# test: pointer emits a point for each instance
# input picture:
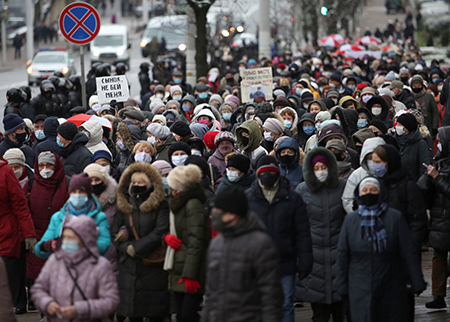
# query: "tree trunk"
(201, 42)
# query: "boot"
(437, 303)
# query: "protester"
(238, 173)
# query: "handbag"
(157, 257)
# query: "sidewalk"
(374, 16)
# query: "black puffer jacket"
(326, 216)
(51, 125)
(27, 151)
(249, 252)
(76, 156)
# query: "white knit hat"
(14, 156)
(97, 171)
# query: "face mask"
(362, 123)
(78, 200)
(58, 141)
(225, 149)
(217, 223)
(121, 145)
(39, 135)
(305, 106)
(160, 96)
(287, 124)
(137, 190)
(417, 90)
(87, 134)
(352, 87)
(279, 71)
(98, 188)
(268, 136)
(166, 184)
(19, 173)
(245, 141)
(327, 74)
(439, 146)
(70, 246)
(21, 137)
(366, 98)
(177, 97)
(203, 122)
(369, 200)
(404, 79)
(233, 176)
(268, 180)
(363, 74)
(376, 111)
(230, 80)
(142, 157)
(178, 160)
(46, 173)
(370, 164)
(332, 85)
(105, 141)
(298, 91)
(177, 80)
(152, 140)
(196, 152)
(400, 130)
(308, 129)
(241, 67)
(318, 127)
(169, 124)
(226, 116)
(338, 156)
(107, 168)
(380, 169)
(186, 107)
(287, 159)
(203, 95)
(321, 175)
(440, 88)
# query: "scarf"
(372, 226)
(170, 253)
(83, 211)
(420, 101)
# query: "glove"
(192, 286)
(30, 242)
(131, 251)
(172, 241)
(49, 246)
(303, 274)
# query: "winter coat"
(355, 178)
(287, 223)
(407, 99)
(244, 182)
(414, 153)
(427, 105)
(252, 150)
(162, 150)
(249, 252)
(376, 282)
(27, 151)
(61, 217)
(6, 303)
(96, 135)
(218, 160)
(76, 156)
(326, 216)
(92, 272)
(131, 135)
(14, 213)
(445, 100)
(301, 136)
(293, 171)
(51, 132)
(192, 227)
(384, 110)
(143, 289)
(23, 109)
(47, 197)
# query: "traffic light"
(324, 11)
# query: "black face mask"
(245, 140)
(369, 200)
(230, 80)
(217, 223)
(139, 189)
(47, 94)
(338, 156)
(269, 179)
(169, 124)
(98, 188)
(404, 80)
(417, 90)
(287, 159)
(21, 137)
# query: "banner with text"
(112, 88)
(257, 82)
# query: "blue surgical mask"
(298, 91)
(166, 184)
(40, 135)
(287, 124)
(87, 134)
(379, 169)
(78, 200)
(70, 246)
(121, 145)
(58, 141)
(318, 127)
(203, 95)
(105, 141)
(186, 107)
(352, 87)
(308, 129)
(226, 116)
(177, 80)
(362, 123)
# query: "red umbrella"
(346, 47)
(79, 119)
(368, 40)
(334, 40)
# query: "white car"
(45, 63)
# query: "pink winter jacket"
(94, 275)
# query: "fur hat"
(182, 177)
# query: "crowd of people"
(188, 201)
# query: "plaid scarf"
(372, 226)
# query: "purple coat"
(218, 160)
(94, 275)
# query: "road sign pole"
(83, 79)
(3, 25)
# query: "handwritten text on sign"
(112, 88)
(256, 83)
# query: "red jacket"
(14, 212)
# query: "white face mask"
(196, 152)
(46, 173)
(233, 176)
(142, 157)
(376, 111)
(268, 136)
(321, 175)
(370, 165)
(107, 168)
(366, 98)
(177, 97)
(178, 160)
(19, 173)
(400, 130)
(152, 140)
(160, 96)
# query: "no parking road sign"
(79, 23)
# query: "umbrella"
(346, 47)
(79, 118)
(334, 40)
(102, 120)
(368, 40)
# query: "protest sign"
(257, 82)
(112, 88)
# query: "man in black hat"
(253, 290)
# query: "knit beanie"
(158, 130)
(209, 138)
(179, 146)
(161, 118)
(273, 125)
(14, 156)
(46, 156)
(336, 144)
(337, 75)
(174, 89)
(224, 136)
(240, 162)
(321, 159)
(97, 171)
(156, 105)
(267, 163)
(159, 88)
(93, 100)
(162, 166)
(68, 130)
(182, 177)
(368, 180)
(235, 100)
(172, 102)
(180, 128)
(281, 102)
(408, 121)
(216, 97)
(101, 154)
(12, 122)
(81, 181)
(232, 200)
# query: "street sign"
(79, 23)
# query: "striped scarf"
(372, 226)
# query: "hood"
(292, 144)
(362, 135)
(298, 101)
(384, 107)
(130, 135)
(123, 195)
(295, 122)
(323, 106)
(210, 114)
(95, 130)
(86, 229)
(198, 144)
(79, 138)
(51, 125)
(255, 136)
(175, 113)
(368, 147)
(249, 223)
(308, 169)
(444, 138)
(383, 196)
(108, 197)
(394, 159)
(348, 98)
(352, 120)
(307, 117)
